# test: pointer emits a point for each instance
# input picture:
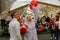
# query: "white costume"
(31, 32)
(14, 30)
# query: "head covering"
(26, 18)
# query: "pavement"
(40, 37)
(44, 37)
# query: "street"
(40, 37)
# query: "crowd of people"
(52, 24)
(17, 28)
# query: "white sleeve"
(17, 31)
(36, 13)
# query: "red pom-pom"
(41, 29)
(23, 30)
(33, 3)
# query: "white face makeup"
(29, 18)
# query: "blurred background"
(46, 8)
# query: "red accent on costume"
(56, 24)
(21, 24)
(57, 19)
(51, 22)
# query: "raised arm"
(36, 13)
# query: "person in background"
(3, 23)
(59, 22)
(4, 27)
(59, 18)
(8, 19)
(14, 27)
(52, 27)
(43, 20)
(57, 27)
(38, 22)
(47, 19)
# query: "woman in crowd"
(31, 33)
(57, 25)
(52, 27)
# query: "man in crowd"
(14, 27)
